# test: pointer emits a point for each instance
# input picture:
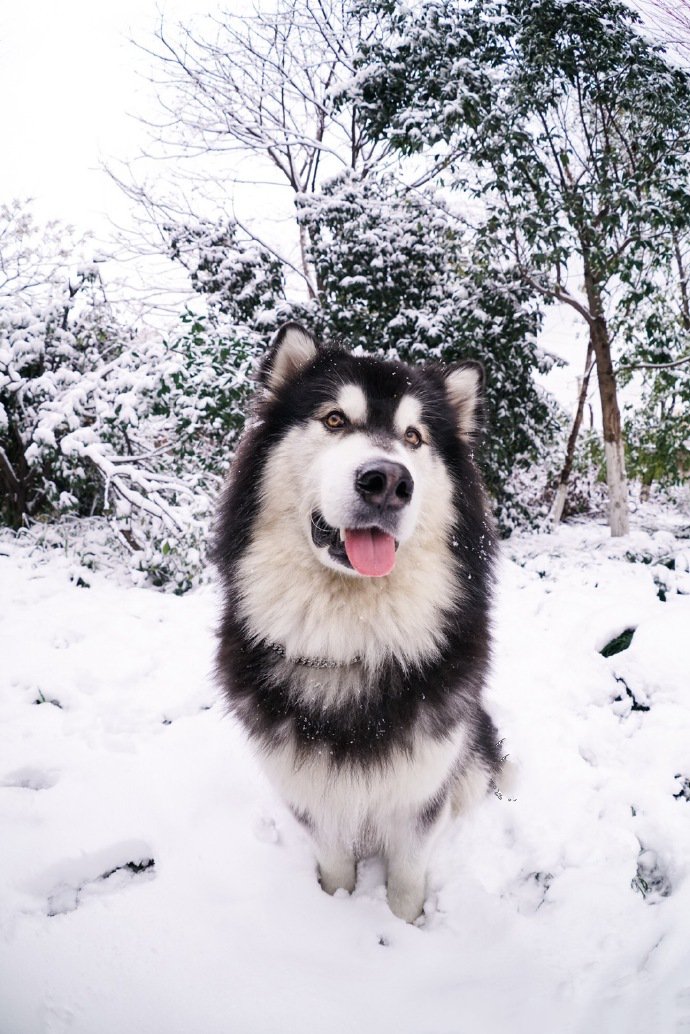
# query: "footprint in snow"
(30, 779)
(531, 892)
(266, 831)
(65, 885)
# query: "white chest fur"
(355, 804)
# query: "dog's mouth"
(369, 551)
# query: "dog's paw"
(340, 876)
(405, 901)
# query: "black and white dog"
(355, 551)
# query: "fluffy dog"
(355, 550)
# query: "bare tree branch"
(654, 366)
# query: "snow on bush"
(97, 419)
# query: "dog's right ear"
(291, 349)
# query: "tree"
(203, 394)
(400, 275)
(263, 86)
(239, 278)
(655, 330)
(382, 263)
(569, 126)
(51, 327)
(558, 506)
(669, 22)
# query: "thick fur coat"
(355, 551)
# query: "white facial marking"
(353, 403)
(335, 480)
(408, 414)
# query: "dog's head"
(368, 445)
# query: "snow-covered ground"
(151, 882)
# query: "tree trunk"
(312, 288)
(610, 413)
(683, 282)
(562, 490)
(14, 490)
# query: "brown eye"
(413, 437)
(335, 420)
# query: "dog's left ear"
(291, 349)
(465, 390)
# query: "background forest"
(445, 173)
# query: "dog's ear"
(291, 349)
(465, 390)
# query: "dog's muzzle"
(368, 543)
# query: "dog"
(355, 550)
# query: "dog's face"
(364, 462)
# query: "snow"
(151, 881)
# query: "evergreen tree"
(381, 265)
(398, 276)
(236, 275)
(569, 126)
(654, 328)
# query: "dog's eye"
(335, 420)
(413, 437)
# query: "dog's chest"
(317, 614)
(358, 797)
(317, 688)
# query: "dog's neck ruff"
(312, 662)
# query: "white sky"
(70, 88)
(73, 87)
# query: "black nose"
(384, 484)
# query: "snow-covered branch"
(683, 361)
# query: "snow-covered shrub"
(528, 493)
(242, 283)
(160, 494)
(97, 420)
(79, 433)
(657, 431)
(170, 556)
(66, 381)
(199, 408)
(203, 390)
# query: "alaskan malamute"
(355, 550)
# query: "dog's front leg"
(337, 868)
(408, 856)
(407, 885)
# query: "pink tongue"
(370, 551)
